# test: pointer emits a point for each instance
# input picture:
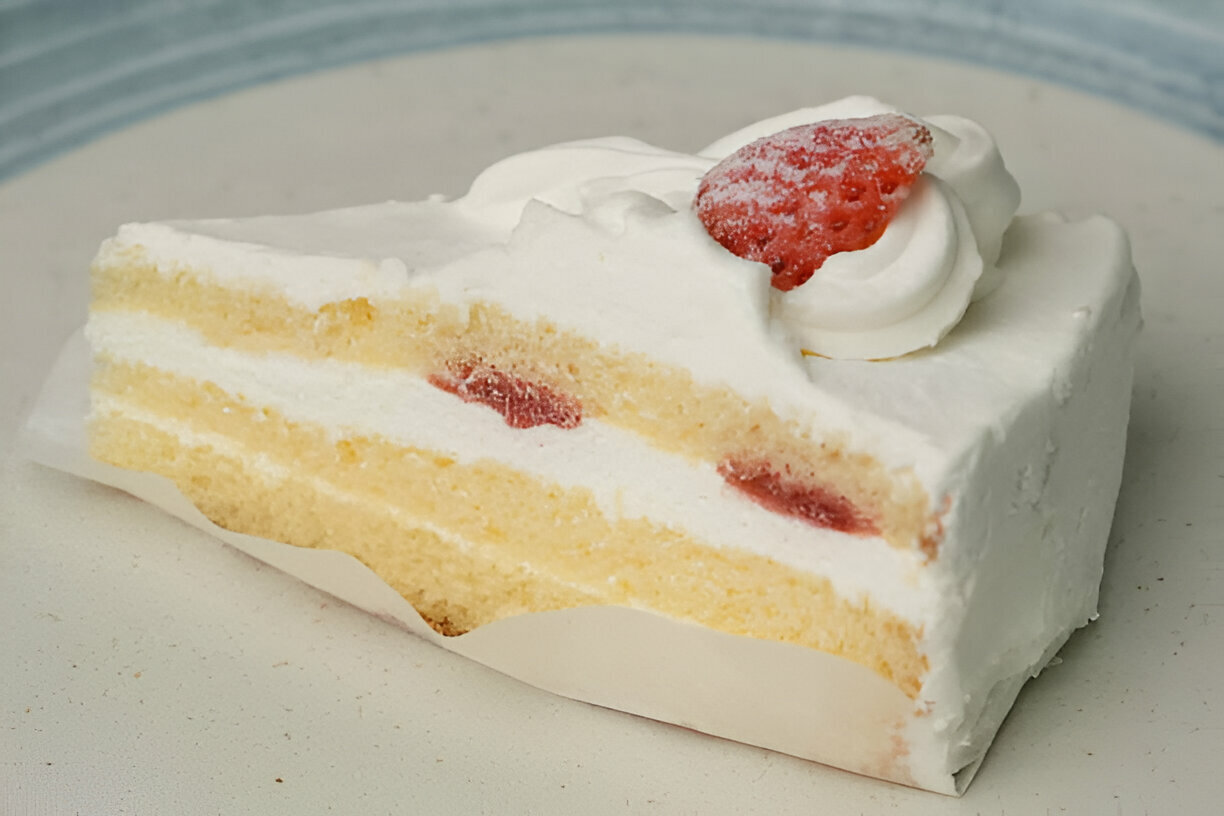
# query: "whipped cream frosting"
(903, 293)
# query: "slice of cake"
(576, 386)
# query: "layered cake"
(813, 385)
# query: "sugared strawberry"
(792, 199)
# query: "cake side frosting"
(1025, 534)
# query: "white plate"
(147, 667)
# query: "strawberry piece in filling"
(792, 199)
(783, 493)
(523, 403)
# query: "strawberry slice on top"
(792, 199)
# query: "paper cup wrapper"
(786, 698)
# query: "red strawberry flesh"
(792, 199)
(781, 492)
(522, 403)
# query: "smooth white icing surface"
(1013, 422)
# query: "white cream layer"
(274, 472)
(626, 476)
(259, 462)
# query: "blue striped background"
(70, 71)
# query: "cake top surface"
(601, 237)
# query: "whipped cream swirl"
(903, 293)
(908, 290)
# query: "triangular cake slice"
(561, 391)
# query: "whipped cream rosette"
(902, 293)
(910, 284)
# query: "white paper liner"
(787, 698)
